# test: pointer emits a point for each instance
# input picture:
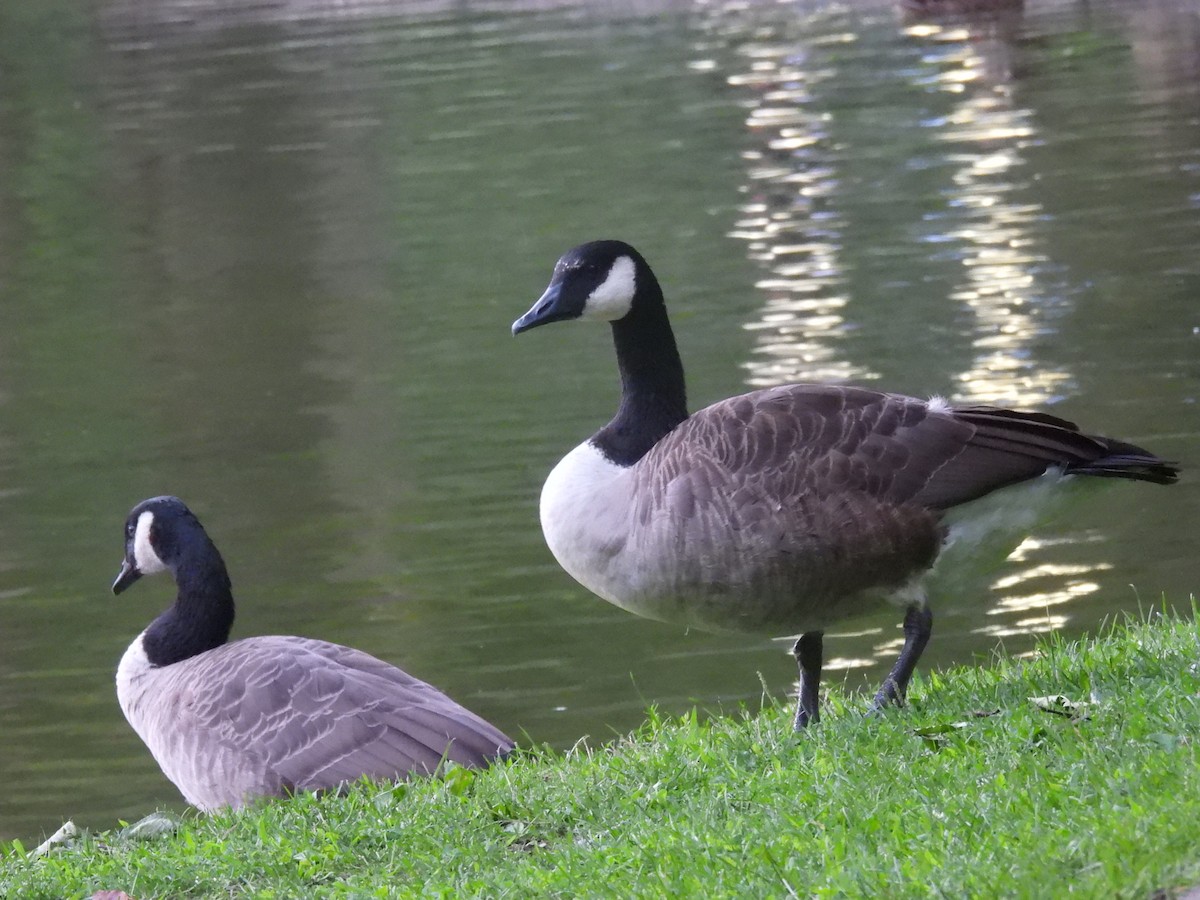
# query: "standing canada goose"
(782, 510)
(267, 716)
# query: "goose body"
(782, 510)
(270, 715)
(695, 533)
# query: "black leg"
(918, 624)
(807, 651)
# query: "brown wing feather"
(306, 714)
(824, 490)
(799, 490)
(829, 439)
(820, 440)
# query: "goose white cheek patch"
(143, 553)
(613, 298)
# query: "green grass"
(972, 791)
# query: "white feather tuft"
(938, 404)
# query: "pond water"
(265, 257)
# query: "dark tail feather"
(1043, 438)
(1127, 461)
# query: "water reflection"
(790, 218)
(990, 222)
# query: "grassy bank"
(974, 790)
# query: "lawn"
(1075, 772)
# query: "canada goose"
(781, 510)
(267, 716)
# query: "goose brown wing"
(823, 441)
(815, 441)
(801, 489)
(825, 491)
(312, 715)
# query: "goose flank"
(782, 510)
(267, 716)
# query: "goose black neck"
(202, 614)
(653, 394)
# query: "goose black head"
(156, 533)
(598, 281)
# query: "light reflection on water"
(292, 236)
(995, 232)
(789, 218)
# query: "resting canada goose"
(267, 716)
(781, 510)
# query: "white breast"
(153, 699)
(138, 684)
(585, 512)
(132, 673)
